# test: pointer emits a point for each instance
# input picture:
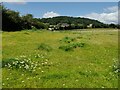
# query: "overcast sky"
(106, 12)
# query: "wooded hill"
(73, 22)
(77, 21)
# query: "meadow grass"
(32, 59)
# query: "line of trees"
(12, 21)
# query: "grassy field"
(61, 59)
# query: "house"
(64, 25)
(89, 26)
(51, 29)
(58, 26)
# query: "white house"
(90, 25)
(51, 29)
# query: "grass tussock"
(67, 39)
(72, 46)
(55, 76)
(45, 47)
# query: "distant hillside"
(13, 21)
(73, 20)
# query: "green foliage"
(45, 47)
(14, 63)
(67, 39)
(70, 47)
(5, 62)
(25, 64)
(116, 67)
(34, 28)
(12, 21)
(66, 48)
(112, 25)
(72, 44)
(78, 45)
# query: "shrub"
(70, 47)
(66, 48)
(45, 47)
(80, 44)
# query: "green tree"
(11, 20)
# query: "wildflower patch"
(21, 63)
(116, 66)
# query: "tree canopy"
(12, 21)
